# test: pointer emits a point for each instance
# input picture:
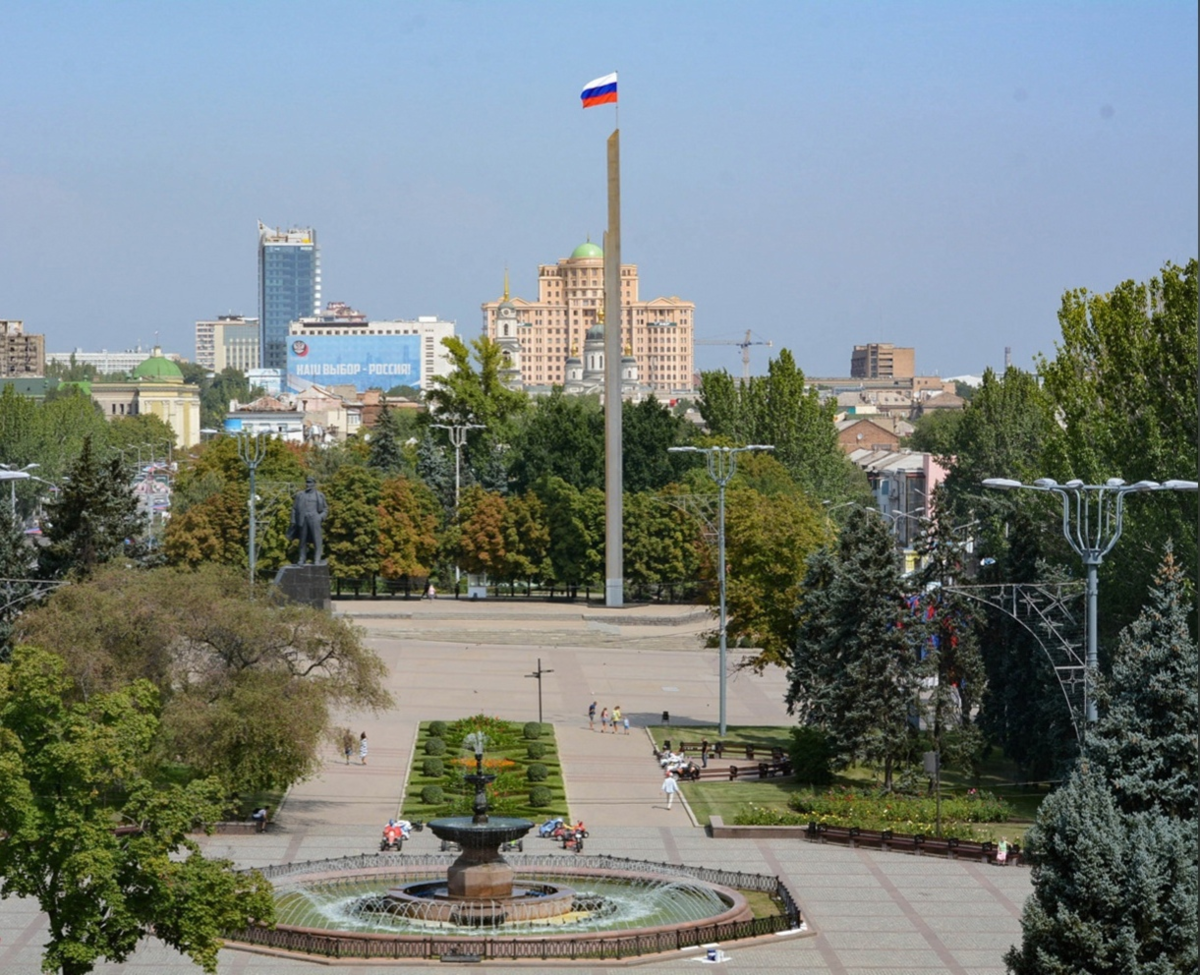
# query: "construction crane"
(744, 345)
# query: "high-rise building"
(228, 341)
(289, 287)
(21, 356)
(540, 336)
(882, 360)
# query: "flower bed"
(869, 809)
(506, 755)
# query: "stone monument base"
(307, 584)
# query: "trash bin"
(666, 717)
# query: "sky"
(931, 174)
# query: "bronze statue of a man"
(308, 511)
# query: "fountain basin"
(469, 834)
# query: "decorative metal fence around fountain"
(612, 945)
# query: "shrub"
(432, 795)
(536, 750)
(537, 772)
(437, 729)
(433, 768)
(540, 796)
(435, 746)
(532, 730)
(812, 755)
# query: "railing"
(414, 587)
(590, 945)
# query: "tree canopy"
(70, 771)
(247, 685)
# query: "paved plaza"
(870, 913)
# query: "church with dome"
(558, 340)
(156, 387)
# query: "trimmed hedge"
(433, 768)
(536, 750)
(432, 795)
(537, 772)
(540, 796)
(532, 730)
(435, 746)
(437, 729)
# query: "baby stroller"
(550, 826)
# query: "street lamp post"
(7, 473)
(537, 674)
(458, 439)
(1093, 516)
(722, 465)
(253, 452)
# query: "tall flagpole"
(614, 542)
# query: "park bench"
(723, 749)
(919, 844)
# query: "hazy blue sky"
(932, 174)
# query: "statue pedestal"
(307, 584)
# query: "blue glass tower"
(289, 287)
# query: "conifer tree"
(854, 670)
(1114, 850)
(91, 518)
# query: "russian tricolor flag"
(601, 91)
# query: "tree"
(18, 588)
(408, 524)
(575, 520)
(474, 395)
(69, 771)
(854, 669)
(1114, 850)
(1145, 740)
(561, 436)
(1123, 382)
(780, 409)
(351, 530)
(214, 530)
(660, 542)
(482, 541)
(526, 539)
(91, 517)
(388, 452)
(950, 654)
(218, 392)
(648, 428)
(247, 684)
(767, 542)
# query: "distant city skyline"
(933, 175)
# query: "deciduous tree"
(408, 527)
(218, 658)
(70, 771)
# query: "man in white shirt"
(669, 787)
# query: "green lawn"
(715, 797)
(507, 756)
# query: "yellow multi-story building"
(540, 336)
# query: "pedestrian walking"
(592, 716)
(603, 720)
(704, 753)
(669, 787)
(362, 747)
(347, 743)
(616, 718)
(626, 720)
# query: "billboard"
(367, 361)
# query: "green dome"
(160, 369)
(587, 250)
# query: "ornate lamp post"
(1093, 516)
(458, 439)
(253, 452)
(722, 465)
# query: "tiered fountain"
(479, 887)
(408, 906)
